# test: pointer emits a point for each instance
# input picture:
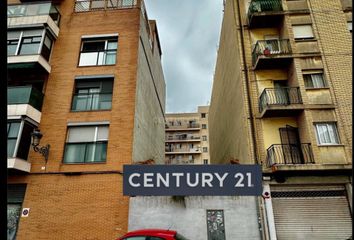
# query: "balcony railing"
(25, 95)
(183, 126)
(97, 5)
(287, 154)
(270, 48)
(279, 96)
(34, 9)
(92, 101)
(258, 6)
(183, 149)
(182, 138)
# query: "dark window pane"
(74, 153)
(93, 46)
(14, 128)
(11, 143)
(25, 141)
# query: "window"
(15, 196)
(350, 26)
(204, 138)
(29, 42)
(86, 144)
(315, 80)
(203, 115)
(303, 32)
(92, 94)
(19, 138)
(204, 126)
(327, 133)
(215, 224)
(205, 161)
(98, 51)
(205, 149)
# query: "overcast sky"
(189, 32)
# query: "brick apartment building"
(88, 74)
(281, 98)
(187, 137)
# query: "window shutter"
(81, 134)
(102, 133)
(303, 31)
(16, 193)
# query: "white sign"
(25, 212)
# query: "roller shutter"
(311, 212)
(16, 193)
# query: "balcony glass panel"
(25, 95)
(94, 5)
(36, 9)
(92, 101)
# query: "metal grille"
(97, 5)
(298, 194)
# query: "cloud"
(189, 32)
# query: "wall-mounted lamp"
(36, 136)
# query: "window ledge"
(99, 110)
(63, 163)
(330, 145)
(97, 65)
(306, 40)
(307, 88)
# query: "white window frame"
(333, 137)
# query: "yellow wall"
(265, 78)
(271, 129)
(258, 34)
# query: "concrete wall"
(149, 124)
(228, 117)
(189, 216)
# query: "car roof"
(152, 232)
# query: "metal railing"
(97, 5)
(33, 9)
(172, 138)
(92, 101)
(183, 149)
(264, 6)
(269, 48)
(183, 126)
(289, 154)
(279, 96)
(25, 95)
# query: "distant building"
(187, 137)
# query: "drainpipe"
(245, 70)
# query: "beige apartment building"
(281, 98)
(187, 137)
(88, 74)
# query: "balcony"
(24, 101)
(183, 127)
(31, 14)
(183, 138)
(280, 102)
(289, 154)
(99, 5)
(264, 13)
(182, 150)
(271, 54)
(25, 95)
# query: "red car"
(152, 234)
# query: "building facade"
(88, 74)
(281, 98)
(187, 137)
